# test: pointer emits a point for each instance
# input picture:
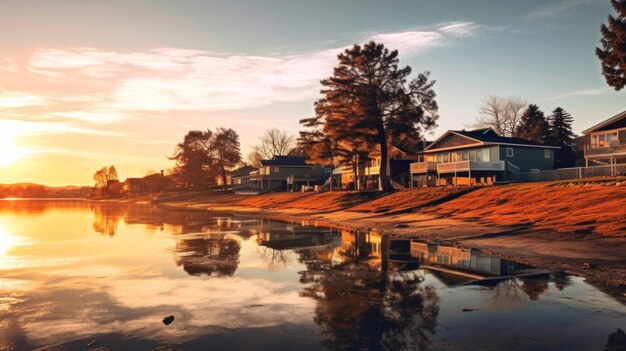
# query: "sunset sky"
(85, 84)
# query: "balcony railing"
(463, 166)
(374, 170)
(605, 149)
(423, 167)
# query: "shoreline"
(560, 252)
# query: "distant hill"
(32, 190)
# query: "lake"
(80, 275)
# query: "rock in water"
(469, 309)
(168, 320)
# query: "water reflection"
(106, 274)
(210, 255)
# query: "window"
(604, 140)
(482, 155)
(276, 169)
(546, 153)
(472, 155)
(509, 152)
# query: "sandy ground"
(559, 226)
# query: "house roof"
(617, 118)
(134, 181)
(242, 171)
(485, 136)
(285, 161)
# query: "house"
(605, 143)
(368, 175)
(478, 156)
(133, 185)
(234, 177)
(281, 173)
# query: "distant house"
(605, 143)
(281, 173)
(155, 182)
(133, 185)
(114, 187)
(478, 156)
(400, 160)
(236, 177)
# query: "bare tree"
(501, 113)
(274, 142)
(254, 158)
(103, 176)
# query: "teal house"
(478, 157)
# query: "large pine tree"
(613, 52)
(368, 102)
(533, 125)
(561, 127)
(561, 135)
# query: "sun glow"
(10, 151)
(7, 241)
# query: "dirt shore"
(576, 227)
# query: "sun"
(10, 152)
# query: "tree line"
(515, 117)
(371, 103)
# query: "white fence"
(572, 173)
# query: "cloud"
(22, 127)
(587, 92)
(17, 99)
(557, 9)
(8, 65)
(169, 79)
(96, 117)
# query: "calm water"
(78, 275)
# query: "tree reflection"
(534, 287)
(362, 307)
(275, 259)
(617, 341)
(213, 255)
(106, 219)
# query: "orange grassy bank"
(578, 208)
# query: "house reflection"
(294, 236)
(436, 256)
(214, 255)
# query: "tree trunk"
(385, 182)
(224, 179)
(355, 171)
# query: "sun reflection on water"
(7, 241)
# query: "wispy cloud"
(586, 92)
(20, 99)
(30, 127)
(8, 65)
(169, 79)
(556, 9)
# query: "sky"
(84, 84)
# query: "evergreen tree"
(613, 52)
(225, 145)
(368, 103)
(194, 157)
(561, 135)
(533, 125)
(561, 127)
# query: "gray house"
(605, 143)
(478, 157)
(281, 173)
